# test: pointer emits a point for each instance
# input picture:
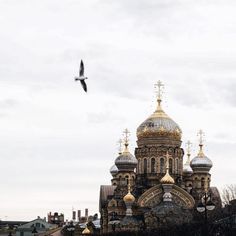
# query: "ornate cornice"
(158, 151)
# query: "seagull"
(81, 77)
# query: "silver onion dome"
(113, 170)
(187, 169)
(126, 161)
(201, 163)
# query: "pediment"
(153, 196)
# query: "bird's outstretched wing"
(81, 69)
(84, 85)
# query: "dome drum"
(157, 140)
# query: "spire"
(120, 146)
(126, 134)
(200, 134)
(167, 162)
(189, 145)
(129, 184)
(167, 179)
(158, 87)
(129, 199)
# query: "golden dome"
(159, 124)
(167, 179)
(86, 230)
(129, 198)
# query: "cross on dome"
(201, 135)
(129, 185)
(120, 145)
(126, 134)
(167, 161)
(167, 179)
(188, 145)
(158, 87)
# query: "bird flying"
(81, 77)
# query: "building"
(153, 188)
(56, 218)
(35, 227)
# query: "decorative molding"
(153, 196)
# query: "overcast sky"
(56, 142)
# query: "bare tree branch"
(228, 193)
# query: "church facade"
(153, 188)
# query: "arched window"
(202, 183)
(139, 166)
(171, 166)
(162, 165)
(127, 179)
(153, 162)
(145, 166)
(177, 166)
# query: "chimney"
(79, 215)
(73, 215)
(86, 212)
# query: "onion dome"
(159, 124)
(86, 230)
(129, 198)
(201, 163)
(167, 179)
(113, 170)
(186, 168)
(126, 161)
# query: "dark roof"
(105, 191)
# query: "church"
(154, 187)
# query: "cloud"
(8, 103)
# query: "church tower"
(157, 135)
(201, 166)
(187, 171)
(126, 164)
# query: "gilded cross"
(200, 134)
(158, 87)
(129, 184)
(120, 145)
(126, 136)
(189, 145)
(167, 160)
